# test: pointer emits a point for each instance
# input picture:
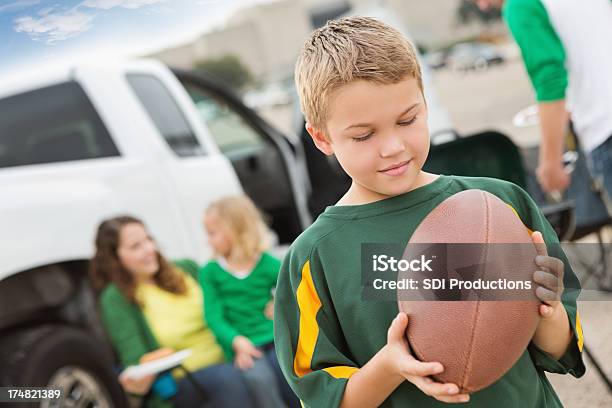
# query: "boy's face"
(379, 135)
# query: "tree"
(228, 69)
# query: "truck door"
(263, 159)
(195, 175)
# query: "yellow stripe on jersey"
(308, 304)
(341, 371)
(579, 334)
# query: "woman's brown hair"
(105, 267)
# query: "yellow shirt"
(177, 321)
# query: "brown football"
(477, 341)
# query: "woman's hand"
(245, 352)
(142, 385)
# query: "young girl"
(238, 287)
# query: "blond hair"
(346, 50)
(247, 230)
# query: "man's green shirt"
(324, 332)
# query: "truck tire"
(65, 358)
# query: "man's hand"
(245, 352)
(142, 385)
(553, 177)
(548, 279)
(401, 362)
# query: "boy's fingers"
(555, 265)
(417, 368)
(546, 280)
(538, 241)
(546, 310)
(397, 329)
(546, 295)
(454, 399)
(434, 389)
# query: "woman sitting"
(150, 309)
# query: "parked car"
(272, 95)
(472, 56)
(435, 60)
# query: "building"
(267, 36)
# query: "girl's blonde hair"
(247, 230)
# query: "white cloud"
(51, 28)
(46, 10)
(18, 5)
(109, 4)
(52, 25)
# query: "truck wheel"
(63, 358)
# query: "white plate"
(156, 366)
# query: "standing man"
(567, 50)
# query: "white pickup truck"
(93, 141)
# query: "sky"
(36, 33)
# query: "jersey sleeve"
(310, 345)
(542, 50)
(571, 362)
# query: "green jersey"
(324, 332)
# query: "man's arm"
(544, 58)
(554, 122)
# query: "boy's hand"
(548, 279)
(245, 352)
(402, 363)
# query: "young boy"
(360, 89)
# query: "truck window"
(53, 124)
(231, 132)
(166, 114)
